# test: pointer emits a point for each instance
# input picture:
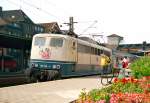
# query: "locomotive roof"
(84, 42)
(49, 34)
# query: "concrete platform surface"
(59, 91)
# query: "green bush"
(141, 67)
(126, 88)
(97, 94)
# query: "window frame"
(54, 45)
(37, 43)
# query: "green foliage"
(99, 94)
(141, 67)
(83, 94)
(126, 88)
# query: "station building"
(16, 32)
(136, 49)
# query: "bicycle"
(107, 74)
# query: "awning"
(12, 42)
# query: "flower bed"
(126, 90)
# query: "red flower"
(148, 85)
(132, 80)
(115, 80)
(124, 80)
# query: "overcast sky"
(127, 18)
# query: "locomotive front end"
(47, 55)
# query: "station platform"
(58, 91)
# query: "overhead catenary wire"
(36, 7)
(90, 26)
(99, 35)
(55, 6)
(31, 5)
(86, 21)
(40, 9)
(23, 2)
(13, 3)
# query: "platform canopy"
(13, 42)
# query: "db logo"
(45, 53)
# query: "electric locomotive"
(56, 55)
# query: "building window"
(26, 36)
(16, 25)
(42, 29)
(30, 36)
(36, 28)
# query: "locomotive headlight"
(36, 65)
(54, 66)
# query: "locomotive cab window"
(39, 41)
(56, 42)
